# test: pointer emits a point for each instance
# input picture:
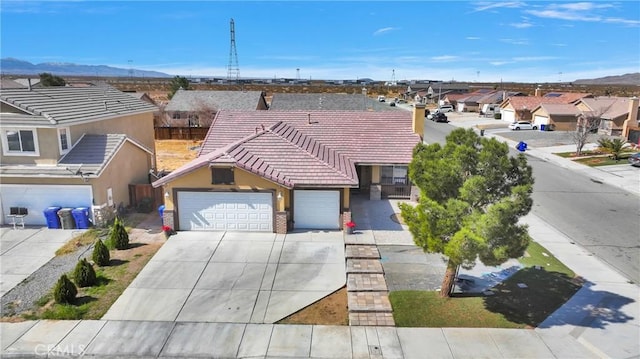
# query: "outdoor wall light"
(279, 196)
(166, 194)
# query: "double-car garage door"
(254, 211)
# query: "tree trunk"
(448, 281)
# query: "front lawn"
(547, 289)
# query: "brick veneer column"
(281, 222)
(167, 219)
(346, 217)
(375, 192)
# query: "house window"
(221, 175)
(64, 140)
(20, 142)
(394, 175)
(176, 116)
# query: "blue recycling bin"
(81, 216)
(543, 127)
(522, 146)
(161, 212)
(51, 216)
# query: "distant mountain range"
(626, 79)
(11, 66)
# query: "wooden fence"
(180, 133)
(139, 191)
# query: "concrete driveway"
(23, 251)
(234, 277)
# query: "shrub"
(118, 236)
(100, 254)
(497, 116)
(64, 291)
(145, 205)
(83, 274)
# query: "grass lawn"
(602, 161)
(547, 289)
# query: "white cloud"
(444, 58)
(515, 41)
(384, 30)
(484, 6)
(582, 6)
(472, 38)
(580, 11)
(500, 63)
(533, 58)
(521, 25)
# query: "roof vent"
(309, 118)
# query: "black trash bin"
(66, 218)
(51, 215)
(81, 217)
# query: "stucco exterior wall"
(48, 149)
(139, 127)
(124, 169)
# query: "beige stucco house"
(275, 171)
(72, 147)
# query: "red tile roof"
(528, 103)
(366, 137)
(304, 149)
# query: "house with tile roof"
(519, 108)
(326, 102)
(616, 113)
(72, 147)
(280, 170)
(198, 108)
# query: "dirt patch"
(171, 154)
(330, 310)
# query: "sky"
(510, 41)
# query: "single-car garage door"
(508, 115)
(37, 198)
(316, 209)
(225, 211)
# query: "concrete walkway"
(23, 251)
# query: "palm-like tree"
(612, 146)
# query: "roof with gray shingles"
(70, 105)
(89, 156)
(326, 102)
(10, 84)
(193, 100)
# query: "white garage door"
(508, 115)
(316, 209)
(225, 211)
(541, 120)
(37, 198)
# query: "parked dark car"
(634, 159)
(438, 117)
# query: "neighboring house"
(519, 108)
(556, 116)
(452, 99)
(157, 116)
(613, 111)
(198, 108)
(72, 147)
(437, 91)
(10, 84)
(326, 102)
(273, 171)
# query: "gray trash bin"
(66, 218)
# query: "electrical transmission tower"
(233, 72)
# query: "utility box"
(51, 215)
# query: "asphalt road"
(603, 219)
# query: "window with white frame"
(20, 142)
(64, 140)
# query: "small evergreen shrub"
(64, 291)
(118, 235)
(145, 205)
(84, 275)
(100, 254)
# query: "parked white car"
(445, 108)
(522, 125)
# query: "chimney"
(632, 117)
(538, 92)
(417, 123)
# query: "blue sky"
(536, 41)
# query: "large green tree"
(177, 83)
(472, 194)
(47, 80)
